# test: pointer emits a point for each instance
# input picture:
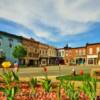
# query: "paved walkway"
(52, 70)
(27, 73)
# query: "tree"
(19, 52)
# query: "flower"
(45, 69)
(81, 72)
(6, 64)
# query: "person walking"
(73, 71)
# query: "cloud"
(62, 17)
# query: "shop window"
(90, 61)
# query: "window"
(83, 51)
(40, 51)
(76, 52)
(35, 50)
(90, 50)
(62, 53)
(97, 50)
(30, 54)
(59, 53)
(90, 61)
(80, 52)
(10, 42)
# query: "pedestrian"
(73, 71)
(16, 66)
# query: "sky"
(54, 22)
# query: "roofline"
(30, 39)
(77, 47)
(92, 44)
(13, 35)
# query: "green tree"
(19, 52)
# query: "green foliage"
(59, 94)
(10, 90)
(19, 52)
(33, 82)
(46, 83)
(89, 88)
(70, 90)
(75, 78)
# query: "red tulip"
(45, 69)
(81, 72)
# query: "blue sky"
(54, 22)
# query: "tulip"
(81, 72)
(45, 69)
(6, 64)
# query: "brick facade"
(88, 54)
(93, 53)
(32, 47)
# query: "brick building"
(89, 54)
(62, 55)
(52, 55)
(32, 47)
(93, 51)
(43, 54)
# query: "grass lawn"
(75, 78)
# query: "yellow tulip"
(6, 64)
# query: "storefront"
(80, 61)
(92, 59)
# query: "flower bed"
(26, 93)
(12, 89)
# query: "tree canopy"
(19, 51)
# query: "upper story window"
(97, 50)
(46, 52)
(90, 50)
(76, 52)
(36, 51)
(40, 51)
(30, 54)
(10, 42)
(80, 52)
(62, 53)
(59, 53)
(83, 51)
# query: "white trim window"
(90, 50)
(97, 50)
